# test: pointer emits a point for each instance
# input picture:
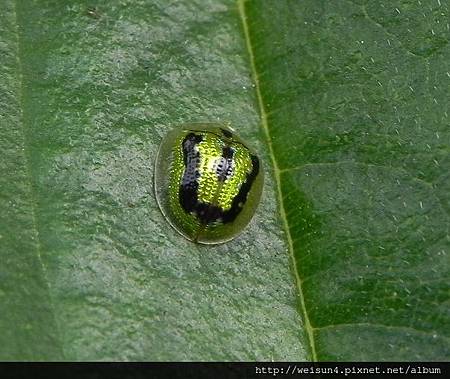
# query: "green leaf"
(355, 99)
(90, 268)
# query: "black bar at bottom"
(91, 370)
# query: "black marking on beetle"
(226, 133)
(188, 193)
(239, 200)
(209, 213)
(227, 152)
(224, 168)
(221, 135)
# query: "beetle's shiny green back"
(208, 182)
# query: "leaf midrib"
(26, 157)
(264, 123)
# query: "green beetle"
(208, 182)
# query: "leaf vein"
(26, 145)
(264, 122)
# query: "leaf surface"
(355, 99)
(90, 268)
